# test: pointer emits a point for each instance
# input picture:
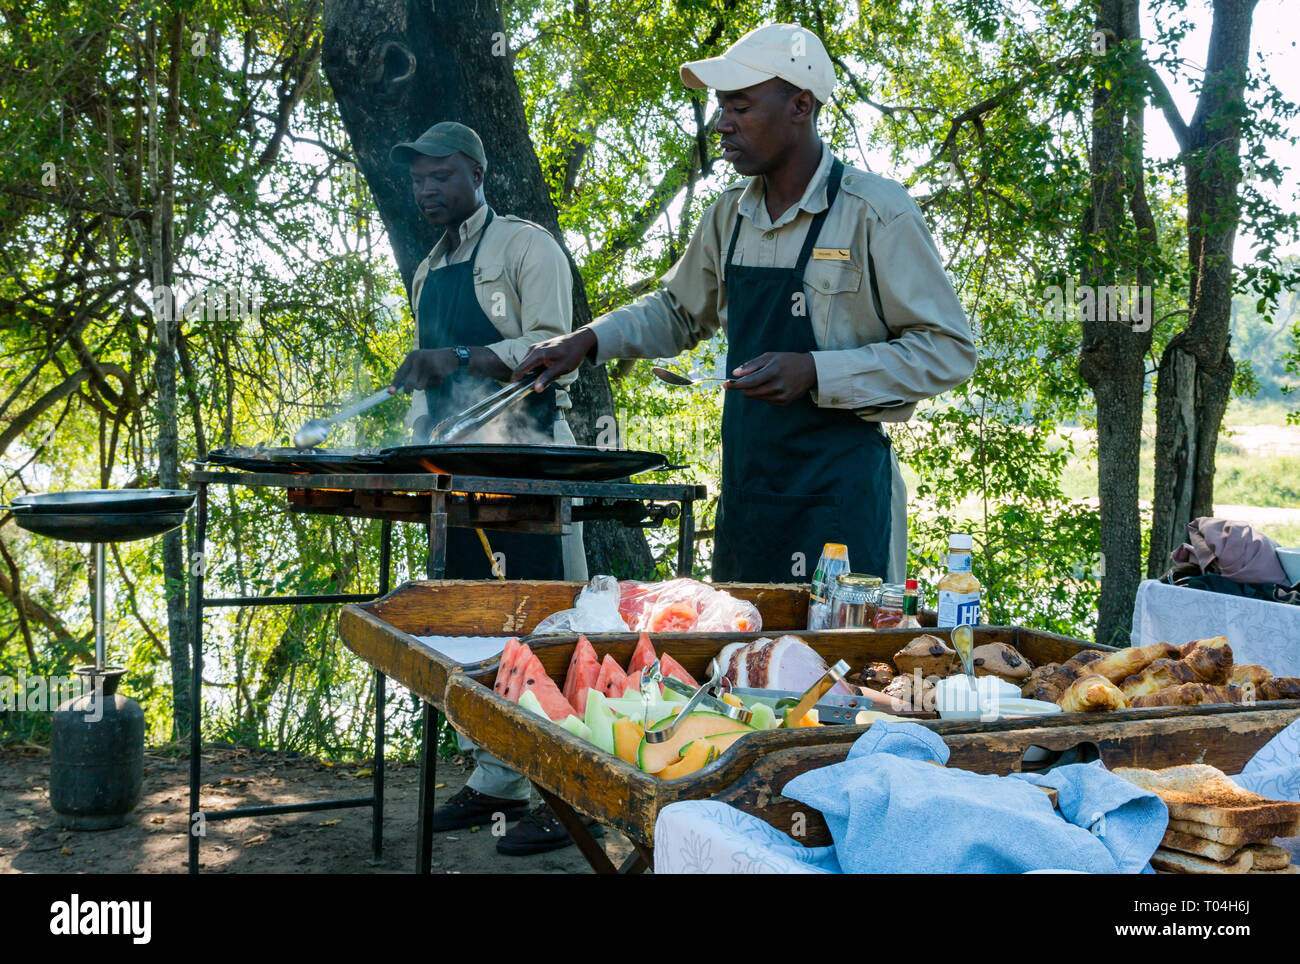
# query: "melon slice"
(599, 719)
(697, 756)
(670, 667)
(576, 727)
(653, 757)
(764, 717)
(532, 704)
(515, 678)
(723, 741)
(611, 679)
(503, 666)
(552, 700)
(627, 737)
(584, 670)
(643, 655)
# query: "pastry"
(1128, 662)
(929, 654)
(1091, 693)
(999, 659)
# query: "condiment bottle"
(911, 606)
(959, 590)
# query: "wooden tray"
(752, 772)
(383, 632)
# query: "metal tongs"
(469, 421)
(798, 709)
(652, 675)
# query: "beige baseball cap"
(784, 50)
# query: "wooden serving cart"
(577, 778)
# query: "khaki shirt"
(878, 361)
(522, 281)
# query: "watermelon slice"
(536, 681)
(643, 655)
(611, 679)
(670, 667)
(503, 667)
(515, 678)
(584, 670)
(632, 684)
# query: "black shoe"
(469, 808)
(540, 831)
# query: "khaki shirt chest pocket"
(835, 287)
(832, 277)
(495, 297)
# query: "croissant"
(1209, 659)
(1160, 675)
(1280, 688)
(1092, 693)
(1252, 673)
(1190, 694)
(1128, 662)
(1053, 685)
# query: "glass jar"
(854, 601)
(891, 614)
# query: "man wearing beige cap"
(838, 315)
(492, 287)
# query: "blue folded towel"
(890, 809)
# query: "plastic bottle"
(959, 590)
(834, 560)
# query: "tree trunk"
(162, 188)
(1112, 360)
(396, 69)
(1196, 370)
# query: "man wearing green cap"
(492, 287)
(838, 313)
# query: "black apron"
(794, 477)
(450, 315)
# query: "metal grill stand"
(437, 500)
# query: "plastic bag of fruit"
(684, 605)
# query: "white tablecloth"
(1258, 631)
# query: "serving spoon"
(679, 380)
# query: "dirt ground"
(329, 842)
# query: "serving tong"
(466, 423)
(652, 675)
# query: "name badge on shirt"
(830, 254)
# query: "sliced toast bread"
(1268, 857)
(1235, 836)
(1204, 794)
(1186, 843)
(1176, 862)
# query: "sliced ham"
(785, 663)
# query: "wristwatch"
(463, 354)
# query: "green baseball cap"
(442, 140)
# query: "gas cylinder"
(97, 754)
